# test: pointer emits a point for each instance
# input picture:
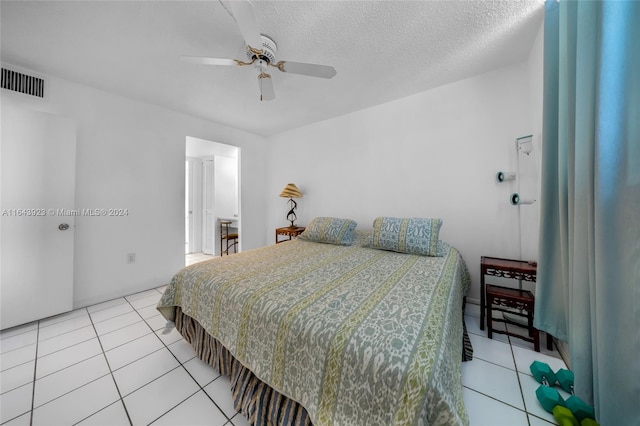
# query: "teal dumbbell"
(547, 396)
(578, 407)
(565, 380)
(543, 373)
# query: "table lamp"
(291, 191)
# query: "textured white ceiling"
(382, 50)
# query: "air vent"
(22, 83)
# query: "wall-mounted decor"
(516, 200)
(505, 176)
(525, 144)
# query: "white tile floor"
(108, 364)
(197, 257)
(111, 364)
(498, 386)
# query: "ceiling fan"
(261, 52)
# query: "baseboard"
(473, 301)
(563, 350)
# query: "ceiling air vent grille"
(23, 83)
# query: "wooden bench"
(514, 304)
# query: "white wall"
(132, 155)
(533, 167)
(434, 154)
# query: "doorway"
(212, 192)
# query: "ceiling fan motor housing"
(269, 49)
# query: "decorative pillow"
(406, 235)
(330, 230)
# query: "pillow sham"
(330, 230)
(407, 235)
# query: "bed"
(317, 333)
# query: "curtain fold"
(588, 291)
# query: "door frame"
(200, 150)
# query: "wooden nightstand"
(504, 268)
(504, 299)
(288, 231)
(512, 301)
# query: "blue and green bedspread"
(357, 336)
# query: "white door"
(188, 208)
(38, 153)
(193, 205)
(209, 237)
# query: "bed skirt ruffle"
(261, 404)
(257, 401)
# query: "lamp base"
(291, 215)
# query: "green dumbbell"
(564, 416)
(547, 396)
(578, 407)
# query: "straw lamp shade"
(291, 191)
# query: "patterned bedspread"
(356, 335)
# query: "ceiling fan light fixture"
(268, 52)
(243, 12)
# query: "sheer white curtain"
(588, 291)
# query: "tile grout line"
(18, 348)
(514, 369)
(185, 369)
(121, 399)
(75, 330)
(72, 390)
(11, 368)
(515, 364)
(513, 357)
(35, 378)
(111, 373)
(35, 369)
(68, 366)
(496, 399)
(92, 324)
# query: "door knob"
(63, 226)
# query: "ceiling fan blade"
(266, 87)
(245, 17)
(312, 70)
(208, 61)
